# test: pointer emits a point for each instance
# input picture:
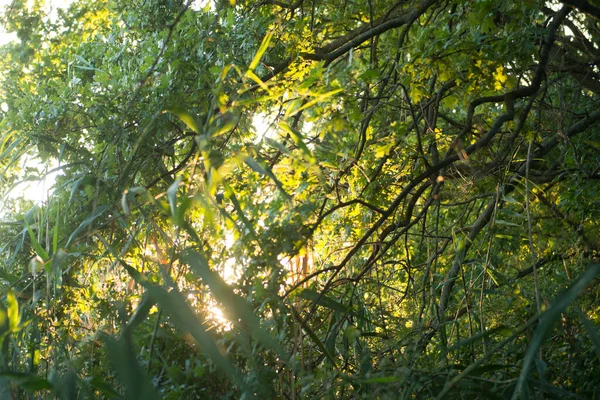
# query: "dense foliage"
(307, 199)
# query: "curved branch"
(585, 7)
(362, 34)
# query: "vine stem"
(536, 282)
(530, 232)
(154, 332)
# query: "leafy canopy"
(307, 199)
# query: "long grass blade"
(261, 51)
(235, 307)
(548, 318)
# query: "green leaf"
(315, 338)
(488, 368)
(125, 203)
(55, 230)
(325, 301)
(234, 307)
(12, 311)
(275, 144)
(548, 318)
(319, 98)
(137, 384)
(11, 148)
(258, 81)
(512, 213)
(506, 223)
(86, 179)
(55, 270)
(172, 195)
(36, 384)
(383, 379)
(225, 127)
(261, 51)
(481, 335)
(140, 314)
(175, 305)
(592, 331)
(99, 384)
(28, 381)
(37, 247)
(510, 199)
(369, 75)
(91, 218)
(189, 119)
(266, 172)
(298, 140)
